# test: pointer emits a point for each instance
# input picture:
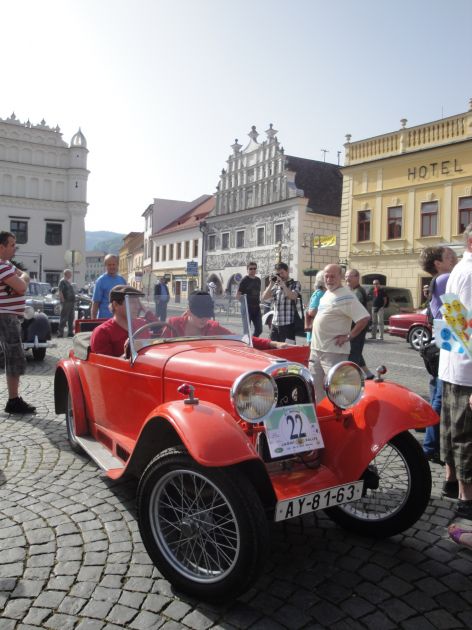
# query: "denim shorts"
(12, 355)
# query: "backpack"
(429, 312)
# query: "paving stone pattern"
(72, 557)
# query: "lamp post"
(203, 229)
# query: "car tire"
(38, 353)
(204, 528)
(417, 336)
(74, 444)
(402, 495)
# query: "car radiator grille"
(292, 390)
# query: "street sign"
(192, 268)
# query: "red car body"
(414, 327)
(131, 418)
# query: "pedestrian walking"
(332, 330)
(455, 370)
(357, 343)
(13, 284)
(67, 298)
(250, 286)
(284, 291)
(379, 303)
(161, 298)
(103, 285)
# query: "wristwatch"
(349, 337)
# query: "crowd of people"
(336, 321)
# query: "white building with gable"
(43, 197)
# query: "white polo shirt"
(336, 312)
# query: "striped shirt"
(9, 302)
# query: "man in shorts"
(13, 284)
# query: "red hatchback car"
(223, 438)
(414, 327)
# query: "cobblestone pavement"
(72, 557)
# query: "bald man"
(332, 332)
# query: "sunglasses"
(252, 268)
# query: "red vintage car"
(414, 327)
(224, 437)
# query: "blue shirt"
(101, 292)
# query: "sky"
(161, 88)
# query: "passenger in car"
(111, 336)
(197, 322)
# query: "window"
(171, 251)
(156, 253)
(240, 238)
(429, 218)
(261, 236)
(195, 248)
(164, 252)
(394, 219)
(465, 213)
(178, 254)
(363, 225)
(278, 232)
(225, 240)
(211, 242)
(20, 230)
(187, 249)
(53, 233)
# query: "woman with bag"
(312, 309)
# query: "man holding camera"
(284, 291)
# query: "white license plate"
(329, 497)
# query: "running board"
(100, 455)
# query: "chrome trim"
(289, 368)
(234, 390)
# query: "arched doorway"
(370, 277)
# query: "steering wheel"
(155, 327)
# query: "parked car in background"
(414, 327)
(42, 298)
(36, 333)
(399, 300)
(224, 438)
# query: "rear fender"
(354, 438)
(66, 379)
(210, 435)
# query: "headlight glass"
(344, 384)
(254, 395)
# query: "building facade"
(177, 249)
(270, 207)
(43, 197)
(402, 192)
(94, 265)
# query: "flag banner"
(325, 241)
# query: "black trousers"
(282, 333)
(256, 318)
(357, 346)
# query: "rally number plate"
(329, 497)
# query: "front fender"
(66, 379)
(210, 435)
(385, 410)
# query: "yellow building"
(402, 192)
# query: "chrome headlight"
(254, 395)
(344, 384)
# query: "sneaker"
(18, 405)
(434, 458)
(464, 509)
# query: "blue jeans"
(431, 437)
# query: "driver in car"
(198, 322)
(110, 337)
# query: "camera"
(275, 277)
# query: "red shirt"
(109, 338)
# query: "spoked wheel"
(74, 444)
(397, 491)
(204, 528)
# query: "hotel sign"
(446, 167)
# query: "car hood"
(216, 363)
